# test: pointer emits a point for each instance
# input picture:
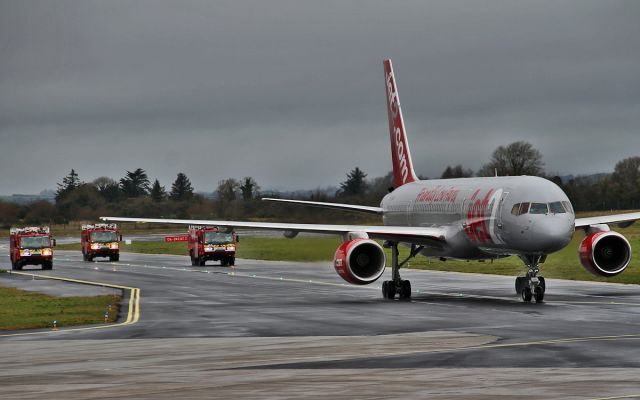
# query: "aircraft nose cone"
(551, 234)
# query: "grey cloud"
(292, 92)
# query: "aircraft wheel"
(527, 294)
(388, 290)
(520, 283)
(542, 284)
(405, 290)
(538, 294)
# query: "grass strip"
(22, 309)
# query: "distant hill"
(585, 179)
(47, 195)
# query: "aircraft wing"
(335, 206)
(434, 237)
(623, 220)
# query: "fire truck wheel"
(84, 256)
(16, 266)
(201, 261)
(224, 262)
(232, 261)
(114, 257)
(47, 265)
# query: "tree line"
(135, 195)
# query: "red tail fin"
(400, 154)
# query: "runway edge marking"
(133, 314)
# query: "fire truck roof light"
(202, 227)
(99, 226)
(30, 229)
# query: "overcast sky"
(292, 92)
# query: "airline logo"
(438, 194)
(399, 148)
(394, 109)
(483, 211)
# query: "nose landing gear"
(397, 285)
(531, 286)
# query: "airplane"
(466, 218)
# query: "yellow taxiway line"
(133, 314)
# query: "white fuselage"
(480, 217)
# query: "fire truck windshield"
(34, 242)
(218, 238)
(103, 237)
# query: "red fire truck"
(209, 243)
(100, 240)
(31, 246)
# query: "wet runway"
(282, 329)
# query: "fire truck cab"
(100, 240)
(31, 246)
(209, 243)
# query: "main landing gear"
(531, 286)
(397, 285)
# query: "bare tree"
(228, 189)
(518, 158)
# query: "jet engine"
(605, 253)
(360, 261)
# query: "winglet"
(400, 155)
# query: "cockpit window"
(557, 208)
(538, 208)
(520, 208)
(568, 207)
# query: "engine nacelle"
(360, 261)
(605, 253)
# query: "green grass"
(260, 248)
(21, 309)
(564, 264)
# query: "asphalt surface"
(288, 330)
